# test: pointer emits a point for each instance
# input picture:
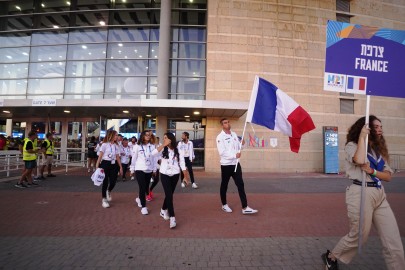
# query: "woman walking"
(377, 210)
(143, 164)
(109, 160)
(171, 164)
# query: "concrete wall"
(284, 42)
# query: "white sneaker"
(105, 203)
(164, 214)
(172, 222)
(183, 185)
(248, 211)
(194, 185)
(226, 208)
(144, 211)
(109, 198)
(138, 201)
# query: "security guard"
(30, 160)
(47, 158)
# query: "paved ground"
(61, 225)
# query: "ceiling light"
(66, 111)
(196, 113)
(84, 47)
(125, 111)
(102, 23)
(42, 5)
(187, 116)
(148, 115)
(68, 3)
(6, 111)
(55, 26)
(120, 44)
(17, 7)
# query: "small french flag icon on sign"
(356, 85)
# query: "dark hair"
(125, 139)
(173, 145)
(92, 139)
(376, 143)
(31, 133)
(142, 137)
(48, 135)
(223, 119)
(187, 134)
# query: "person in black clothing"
(91, 154)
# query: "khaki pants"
(377, 211)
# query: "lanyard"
(144, 151)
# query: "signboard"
(330, 150)
(364, 60)
(44, 102)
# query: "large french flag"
(272, 108)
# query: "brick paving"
(61, 225)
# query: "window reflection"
(136, 17)
(87, 87)
(15, 39)
(128, 51)
(134, 87)
(17, 7)
(92, 5)
(16, 23)
(47, 69)
(52, 88)
(49, 38)
(13, 87)
(188, 50)
(189, 34)
(12, 71)
(91, 19)
(54, 20)
(10, 55)
(54, 5)
(127, 68)
(48, 53)
(86, 51)
(85, 68)
(87, 36)
(188, 17)
(187, 88)
(128, 34)
(188, 67)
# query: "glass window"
(135, 4)
(85, 68)
(87, 51)
(87, 36)
(22, 22)
(13, 87)
(154, 34)
(134, 87)
(153, 67)
(85, 86)
(188, 67)
(135, 17)
(152, 86)
(49, 38)
(154, 50)
(48, 53)
(188, 50)
(187, 88)
(195, 4)
(189, 34)
(127, 68)
(47, 69)
(189, 17)
(91, 18)
(54, 5)
(12, 71)
(128, 51)
(128, 35)
(54, 20)
(17, 7)
(52, 88)
(15, 39)
(10, 55)
(90, 5)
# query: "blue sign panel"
(330, 150)
(364, 60)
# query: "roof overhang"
(21, 109)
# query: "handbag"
(98, 176)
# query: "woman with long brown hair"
(377, 210)
(109, 160)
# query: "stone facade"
(284, 42)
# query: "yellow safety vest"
(49, 147)
(26, 155)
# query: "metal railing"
(397, 162)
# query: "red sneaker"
(149, 198)
(151, 194)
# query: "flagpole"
(362, 197)
(240, 145)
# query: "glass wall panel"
(188, 17)
(87, 36)
(10, 88)
(85, 87)
(85, 68)
(52, 88)
(54, 20)
(54, 5)
(153, 67)
(91, 18)
(127, 50)
(49, 38)
(133, 87)
(127, 67)
(87, 52)
(188, 67)
(22, 22)
(48, 53)
(12, 71)
(189, 34)
(47, 69)
(187, 88)
(135, 4)
(154, 50)
(128, 34)
(194, 4)
(154, 34)
(92, 5)
(15, 39)
(17, 7)
(188, 50)
(12, 55)
(152, 86)
(135, 17)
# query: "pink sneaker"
(151, 194)
(149, 198)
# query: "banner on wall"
(364, 60)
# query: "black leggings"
(189, 166)
(111, 173)
(226, 173)
(155, 181)
(169, 184)
(124, 170)
(143, 183)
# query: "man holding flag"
(229, 150)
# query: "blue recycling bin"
(330, 149)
